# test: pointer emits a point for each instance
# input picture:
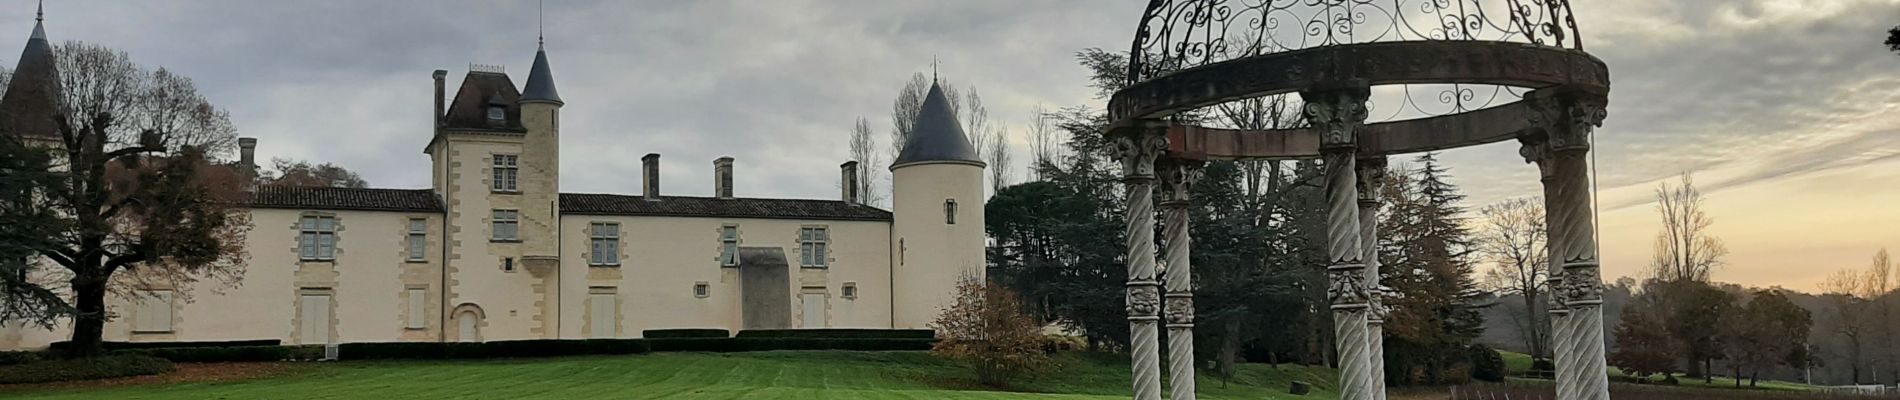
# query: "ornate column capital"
(1178, 177)
(1138, 151)
(1180, 310)
(1144, 301)
(1371, 171)
(1337, 114)
(1567, 118)
(1346, 287)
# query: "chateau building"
(493, 250)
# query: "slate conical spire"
(540, 85)
(33, 96)
(936, 137)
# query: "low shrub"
(840, 333)
(738, 344)
(497, 349)
(685, 333)
(1486, 364)
(102, 367)
(110, 346)
(19, 357)
(216, 354)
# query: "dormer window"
(497, 113)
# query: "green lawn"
(1515, 364)
(761, 375)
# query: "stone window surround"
(412, 234)
(336, 237)
(496, 167)
(617, 238)
(296, 317)
(738, 238)
(589, 318)
(411, 307)
(826, 242)
(950, 211)
(848, 291)
(702, 289)
(802, 291)
(493, 221)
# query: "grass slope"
(1515, 364)
(762, 375)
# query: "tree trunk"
(90, 323)
(1229, 350)
(1708, 370)
(1534, 335)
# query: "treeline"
(1258, 248)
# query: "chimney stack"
(436, 120)
(247, 161)
(650, 169)
(722, 178)
(849, 179)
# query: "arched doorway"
(468, 323)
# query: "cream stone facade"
(492, 250)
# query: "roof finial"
(40, 15)
(540, 25)
(933, 69)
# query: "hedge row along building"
(493, 250)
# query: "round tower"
(937, 221)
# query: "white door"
(814, 309)
(316, 319)
(602, 307)
(466, 321)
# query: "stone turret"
(937, 207)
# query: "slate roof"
(936, 136)
(33, 96)
(335, 198)
(541, 81)
(683, 206)
(469, 109)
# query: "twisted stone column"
(1371, 177)
(1337, 115)
(1536, 150)
(1179, 176)
(1568, 120)
(1137, 151)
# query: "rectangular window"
(729, 246)
(317, 238)
(508, 264)
(812, 243)
(418, 308)
(155, 311)
(507, 225)
(950, 211)
(702, 290)
(850, 291)
(507, 166)
(605, 237)
(418, 239)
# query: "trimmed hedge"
(231, 354)
(497, 349)
(739, 344)
(1486, 364)
(102, 367)
(840, 333)
(110, 346)
(685, 333)
(19, 357)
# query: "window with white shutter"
(418, 308)
(154, 311)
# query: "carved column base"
(1144, 304)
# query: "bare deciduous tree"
(1044, 147)
(139, 198)
(1513, 237)
(909, 102)
(869, 165)
(1685, 250)
(998, 157)
(1855, 296)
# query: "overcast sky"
(1787, 111)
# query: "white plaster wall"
(663, 257)
(934, 254)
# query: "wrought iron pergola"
(1487, 70)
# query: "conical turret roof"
(936, 136)
(540, 85)
(33, 96)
